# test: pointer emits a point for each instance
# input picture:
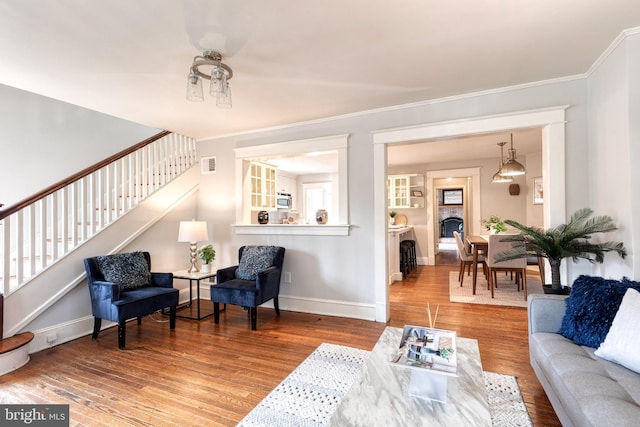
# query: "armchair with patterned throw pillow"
(254, 281)
(122, 287)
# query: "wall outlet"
(287, 277)
(51, 338)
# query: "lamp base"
(194, 261)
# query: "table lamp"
(193, 231)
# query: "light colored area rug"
(506, 293)
(313, 391)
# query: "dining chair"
(466, 258)
(517, 266)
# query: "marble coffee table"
(380, 397)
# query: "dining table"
(478, 244)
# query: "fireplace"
(451, 224)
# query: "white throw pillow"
(622, 344)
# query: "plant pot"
(565, 290)
(206, 268)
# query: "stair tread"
(14, 342)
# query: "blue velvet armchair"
(254, 281)
(122, 287)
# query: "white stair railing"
(37, 234)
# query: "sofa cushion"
(254, 260)
(128, 270)
(621, 344)
(591, 307)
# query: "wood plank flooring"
(212, 375)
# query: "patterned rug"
(313, 391)
(505, 294)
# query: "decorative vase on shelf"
(321, 216)
(263, 217)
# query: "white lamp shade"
(193, 231)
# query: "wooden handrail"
(77, 176)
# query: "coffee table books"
(427, 349)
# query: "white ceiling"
(294, 61)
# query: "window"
(317, 196)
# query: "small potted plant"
(494, 224)
(392, 215)
(570, 240)
(207, 254)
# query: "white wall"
(53, 140)
(614, 93)
(341, 268)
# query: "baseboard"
(63, 332)
(326, 307)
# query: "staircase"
(44, 238)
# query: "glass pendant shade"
(217, 77)
(194, 88)
(223, 99)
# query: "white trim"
(327, 307)
(472, 223)
(482, 124)
(551, 119)
(294, 229)
(323, 143)
(14, 359)
(393, 108)
(612, 47)
(340, 143)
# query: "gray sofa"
(584, 389)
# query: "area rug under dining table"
(505, 294)
(312, 392)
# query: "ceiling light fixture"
(220, 74)
(496, 176)
(512, 167)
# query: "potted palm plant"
(206, 254)
(570, 240)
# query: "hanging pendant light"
(497, 178)
(512, 167)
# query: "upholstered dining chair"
(517, 266)
(466, 258)
(254, 281)
(122, 286)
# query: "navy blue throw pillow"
(591, 307)
(254, 260)
(128, 270)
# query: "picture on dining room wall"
(538, 192)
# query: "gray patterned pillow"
(254, 260)
(128, 271)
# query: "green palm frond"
(570, 240)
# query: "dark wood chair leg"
(172, 317)
(139, 320)
(216, 312)
(122, 333)
(254, 318)
(97, 323)
(276, 306)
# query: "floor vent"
(208, 165)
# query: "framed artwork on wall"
(452, 197)
(538, 192)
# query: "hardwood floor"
(205, 374)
